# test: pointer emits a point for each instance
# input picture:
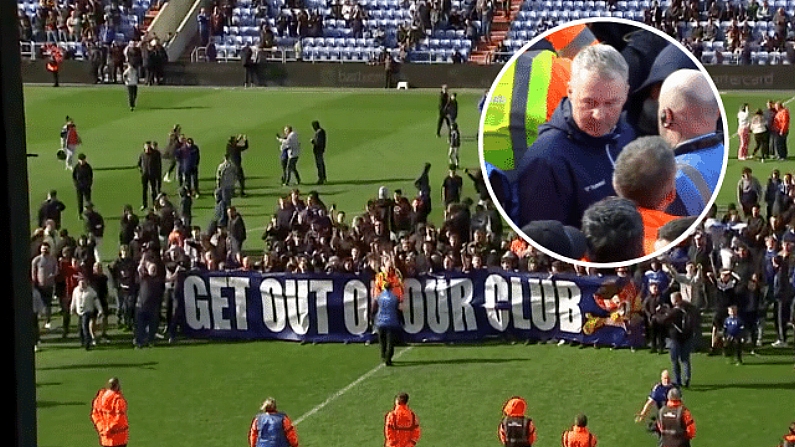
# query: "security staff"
(109, 415)
(83, 179)
(579, 435)
(516, 430)
(675, 424)
(319, 149)
(150, 166)
(272, 428)
(401, 426)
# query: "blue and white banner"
(452, 307)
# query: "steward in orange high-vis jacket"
(109, 415)
(271, 428)
(579, 435)
(401, 427)
(516, 430)
(675, 423)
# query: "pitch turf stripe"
(350, 386)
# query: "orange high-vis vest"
(401, 427)
(653, 220)
(578, 437)
(109, 415)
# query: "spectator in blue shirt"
(733, 328)
(657, 397)
(387, 322)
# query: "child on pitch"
(733, 328)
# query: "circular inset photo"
(604, 142)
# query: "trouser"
(292, 168)
(146, 322)
(443, 118)
(751, 319)
(151, 185)
(84, 330)
(172, 309)
(150, 76)
(733, 344)
(127, 298)
(680, 360)
(46, 297)
(761, 144)
(132, 95)
(226, 197)
(782, 310)
(388, 79)
(386, 340)
(657, 336)
(781, 145)
(70, 150)
(452, 156)
(251, 75)
(83, 196)
(190, 179)
(116, 71)
(321, 167)
(241, 177)
(55, 79)
(172, 163)
(66, 305)
(284, 170)
(743, 133)
(36, 330)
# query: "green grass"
(205, 394)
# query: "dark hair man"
(579, 435)
(570, 165)
(683, 322)
(109, 415)
(149, 165)
(401, 425)
(83, 179)
(51, 209)
(272, 428)
(386, 308)
(319, 149)
(614, 230)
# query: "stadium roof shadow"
(749, 386)
(115, 168)
(175, 108)
(458, 361)
(146, 365)
(382, 181)
(50, 404)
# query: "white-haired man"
(570, 165)
(689, 114)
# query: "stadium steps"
(500, 26)
(148, 18)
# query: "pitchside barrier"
(450, 307)
(358, 75)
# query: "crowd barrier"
(449, 307)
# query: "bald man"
(689, 114)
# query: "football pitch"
(198, 393)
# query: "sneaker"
(36, 348)
(562, 342)
(48, 325)
(759, 343)
(142, 208)
(779, 344)
(159, 336)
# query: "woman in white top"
(130, 77)
(743, 130)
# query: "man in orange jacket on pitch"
(579, 435)
(789, 438)
(109, 415)
(675, 423)
(401, 427)
(516, 430)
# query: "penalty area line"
(349, 387)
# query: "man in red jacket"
(109, 415)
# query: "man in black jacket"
(444, 98)
(247, 56)
(51, 209)
(127, 225)
(95, 227)
(234, 149)
(149, 165)
(319, 149)
(236, 228)
(83, 179)
(684, 325)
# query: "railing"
(199, 54)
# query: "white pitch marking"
(350, 386)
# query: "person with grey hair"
(613, 228)
(570, 165)
(290, 149)
(646, 174)
(271, 428)
(688, 121)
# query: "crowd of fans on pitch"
(744, 258)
